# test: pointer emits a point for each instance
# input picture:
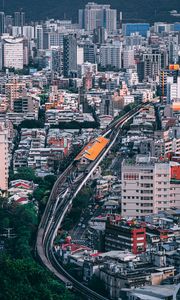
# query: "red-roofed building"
(175, 172)
(121, 235)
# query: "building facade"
(147, 187)
(13, 52)
(69, 55)
(98, 15)
(4, 157)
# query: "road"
(60, 201)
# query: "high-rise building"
(69, 55)
(28, 32)
(90, 52)
(141, 28)
(19, 18)
(173, 89)
(53, 39)
(107, 105)
(4, 157)
(57, 65)
(128, 58)
(98, 15)
(14, 90)
(149, 65)
(8, 23)
(13, 52)
(39, 36)
(148, 186)
(80, 55)
(99, 35)
(174, 72)
(2, 23)
(111, 56)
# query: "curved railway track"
(60, 201)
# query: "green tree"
(20, 276)
(24, 173)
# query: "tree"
(50, 180)
(20, 276)
(24, 279)
(24, 173)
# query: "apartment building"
(121, 235)
(111, 56)
(14, 90)
(13, 52)
(4, 157)
(148, 186)
(98, 15)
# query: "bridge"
(60, 201)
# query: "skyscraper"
(19, 18)
(2, 23)
(39, 36)
(99, 35)
(8, 23)
(98, 15)
(69, 55)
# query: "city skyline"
(133, 11)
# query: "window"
(131, 176)
(147, 177)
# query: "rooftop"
(155, 292)
(93, 149)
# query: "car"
(83, 226)
(79, 224)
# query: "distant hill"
(133, 10)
